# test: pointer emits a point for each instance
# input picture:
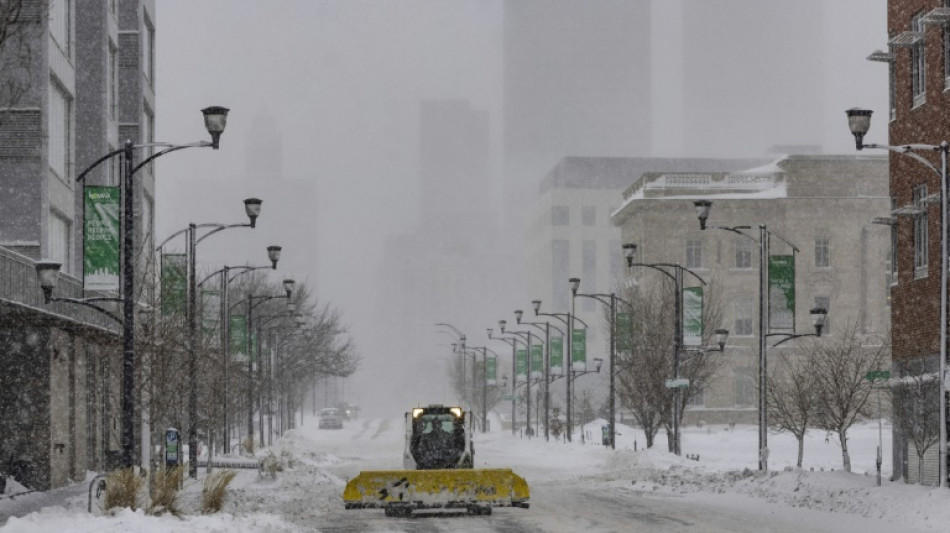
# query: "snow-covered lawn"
(725, 474)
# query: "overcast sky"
(341, 81)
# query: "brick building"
(918, 60)
(77, 78)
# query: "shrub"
(165, 491)
(123, 488)
(215, 489)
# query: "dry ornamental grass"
(215, 489)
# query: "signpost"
(879, 377)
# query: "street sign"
(509, 397)
(876, 375)
(680, 383)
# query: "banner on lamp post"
(210, 309)
(238, 329)
(624, 332)
(692, 317)
(174, 284)
(782, 293)
(491, 370)
(101, 238)
(579, 349)
(521, 364)
(537, 361)
(557, 356)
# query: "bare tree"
(916, 408)
(792, 398)
(839, 365)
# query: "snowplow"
(438, 472)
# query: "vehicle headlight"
(457, 411)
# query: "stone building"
(823, 204)
(78, 81)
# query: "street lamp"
(215, 120)
(630, 250)
(859, 121)
(703, 208)
(610, 300)
(526, 340)
(546, 327)
(273, 254)
(513, 341)
(462, 350)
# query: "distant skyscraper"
(576, 83)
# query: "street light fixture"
(526, 340)
(703, 208)
(215, 121)
(546, 327)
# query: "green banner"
(174, 284)
(692, 317)
(210, 310)
(101, 238)
(579, 349)
(521, 364)
(238, 331)
(557, 356)
(782, 292)
(491, 370)
(624, 332)
(537, 361)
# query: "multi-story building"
(823, 204)
(918, 60)
(570, 233)
(78, 81)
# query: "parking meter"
(172, 448)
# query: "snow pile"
(60, 519)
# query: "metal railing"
(20, 290)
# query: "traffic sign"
(509, 397)
(680, 383)
(876, 375)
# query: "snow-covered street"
(574, 487)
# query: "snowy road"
(572, 489)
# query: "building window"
(59, 241)
(617, 260)
(60, 22)
(744, 312)
(697, 398)
(589, 270)
(148, 54)
(892, 89)
(59, 127)
(589, 215)
(560, 215)
(822, 252)
(946, 51)
(824, 302)
(918, 64)
(694, 253)
(560, 272)
(745, 387)
(743, 252)
(920, 233)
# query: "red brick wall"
(915, 305)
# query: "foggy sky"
(341, 83)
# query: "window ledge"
(919, 101)
(920, 272)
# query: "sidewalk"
(71, 497)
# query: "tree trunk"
(649, 435)
(801, 448)
(669, 440)
(844, 451)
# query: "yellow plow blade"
(423, 489)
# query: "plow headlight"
(417, 412)
(457, 411)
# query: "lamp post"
(859, 121)
(215, 118)
(251, 305)
(546, 327)
(513, 341)
(630, 250)
(610, 300)
(526, 340)
(462, 352)
(702, 209)
(565, 318)
(484, 351)
(252, 208)
(273, 253)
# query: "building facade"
(570, 232)
(82, 74)
(918, 61)
(821, 204)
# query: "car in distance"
(330, 418)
